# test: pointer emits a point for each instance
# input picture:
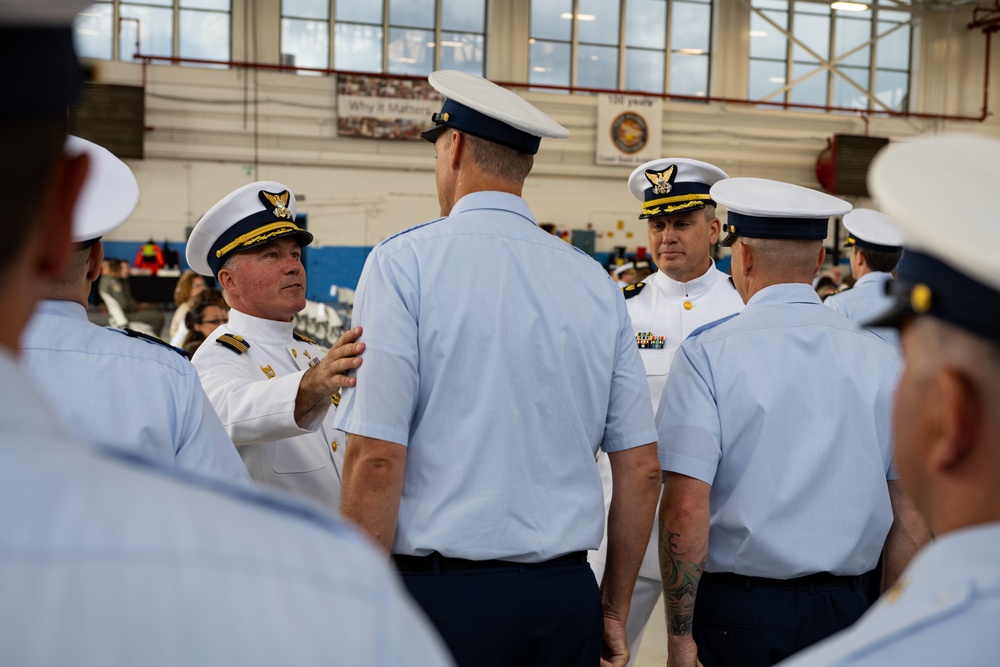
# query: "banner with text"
(384, 108)
(628, 129)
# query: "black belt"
(821, 579)
(435, 562)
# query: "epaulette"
(631, 290)
(132, 333)
(235, 343)
(305, 339)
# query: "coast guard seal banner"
(384, 107)
(628, 129)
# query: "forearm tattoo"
(680, 584)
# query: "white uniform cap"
(672, 185)
(245, 218)
(873, 230)
(109, 196)
(627, 266)
(942, 191)
(481, 108)
(765, 209)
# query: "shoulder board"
(235, 343)
(631, 290)
(131, 333)
(304, 339)
(407, 231)
(711, 325)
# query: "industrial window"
(813, 53)
(641, 45)
(412, 37)
(117, 30)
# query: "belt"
(821, 579)
(437, 563)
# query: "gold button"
(920, 298)
(333, 445)
(688, 305)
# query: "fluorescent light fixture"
(454, 45)
(579, 17)
(777, 79)
(690, 52)
(758, 33)
(407, 60)
(849, 6)
(539, 69)
(430, 45)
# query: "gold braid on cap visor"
(652, 207)
(259, 235)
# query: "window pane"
(898, 17)
(812, 8)
(204, 35)
(596, 66)
(161, 3)
(358, 48)
(306, 9)
(771, 4)
(892, 89)
(765, 40)
(893, 50)
(688, 74)
(811, 90)
(814, 32)
(850, 34)
(359, 12)
(644, 70)
(550, 19)
(766, 77)
(92, 29)
(549, 63)
(646, 23)
(462, 51)
(597, 21)
(220, 5)
(415, 13)
(463, 15)
(689, 26)
(846, 95)
(156, 34)
(411, 51)
(308, 42)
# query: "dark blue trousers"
(508, 614)
(754, 622)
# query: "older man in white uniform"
(687, 292)
(109, 559)
(945, 610)
(876, 246)
(129, 391)
(274, 389)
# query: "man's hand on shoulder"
(327, 377)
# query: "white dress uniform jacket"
(254, 393)
(671, 309)
(109, 559)
(115, 390)
(945, 610)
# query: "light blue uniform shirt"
(114, 390)
(866, 301)
(502, 357)
(107, 560)
(945, 610)
(795, 443)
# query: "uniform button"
(688, 305)
(333, 445)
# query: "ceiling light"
(579, 17)
(758, 33)
(849, 6)
(690, 52)
(777, 79)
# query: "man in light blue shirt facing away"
(498, 359)
(876, 246)
(776, 454)
(945, 608)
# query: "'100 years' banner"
(628, 129)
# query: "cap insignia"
(280, 203)
(663, 181)
(920, 298)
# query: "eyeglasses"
(215, 321)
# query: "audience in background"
(209, 312)
(189, 286)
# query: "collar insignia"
(268, 371)
(280, 203)
(663, 181)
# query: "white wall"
(208, 128)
